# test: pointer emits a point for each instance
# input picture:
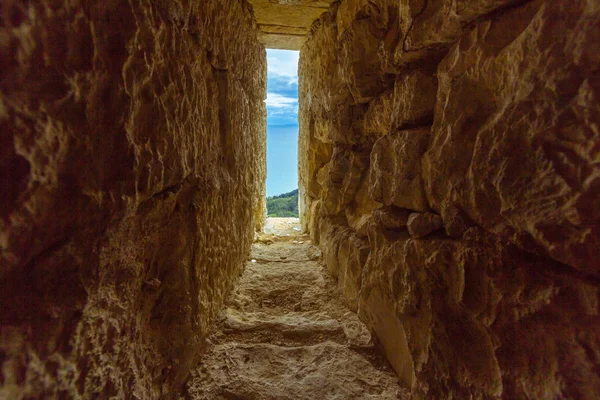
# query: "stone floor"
(282, 227)
(286, 334)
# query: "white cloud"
(279, 101)
(283, 63)
(282, 87)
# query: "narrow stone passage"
(285, 334)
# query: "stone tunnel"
(449, 167)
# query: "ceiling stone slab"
(285, 24)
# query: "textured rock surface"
(428, 28)
(285, 334)
(484, 113)
(515, 136)
(395, 173)
(480, 316)
(422, 224)
(132, 168)
(284, 24)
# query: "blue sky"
(282, 121)
(282, 87)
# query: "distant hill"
(283, 205)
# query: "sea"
(282, 159)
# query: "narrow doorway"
(282, 138)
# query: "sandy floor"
(286, 334)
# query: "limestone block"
(358, 165)
(391, 218)
(494, 313)
(330, 236)
(345, 255)
(514, 137)
(381, 13)
(320, 86)
(422, 224)
(313, 163)
(414, 98)
(342, 178)
(343, 125)
(363, 27)
(285, 24)
(430, 27)
(411, 102)
(352, 256)
(360, 66)
(380, 115)
(359, 211)
(314, 217)
(456, 222)
(375, 309)
(383, 17)
(331, 182)
(395, 170)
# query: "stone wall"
(132, 169)
(449, 171)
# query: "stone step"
(285, 286)
(270, 372)
(291, 329)
(286, 334)
(301, 251)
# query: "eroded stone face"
(473, 222)
(133, 166)
(394, 175)
(431, 27)
(422, 224)
(515, 132)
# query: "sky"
(282, 121)
(282, 87)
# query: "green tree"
(283, 205)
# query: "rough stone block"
(411, 102)
(395, 171)
(431, 27)
(352, 256)
(285, 24)
(422, 224)
(392, 218)
(513, 141)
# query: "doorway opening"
(282, 136)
